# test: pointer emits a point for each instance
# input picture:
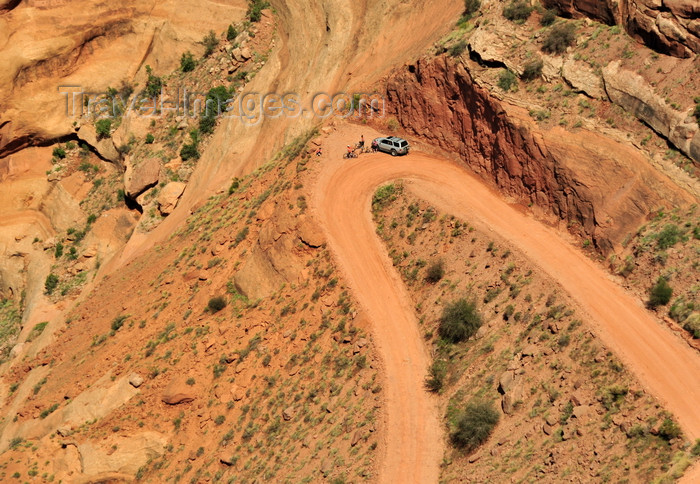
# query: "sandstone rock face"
(131, 453)
(669, 26)
(139, 177)
(94, 45)
(630, 91)
(606, 187)
(169, 196)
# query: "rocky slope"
(670, 26)
(603, 188)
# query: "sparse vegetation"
(103, 128)
(548, 17)
(559, 38)
(435, 271)
(187, 62)
(474, 425)
(231, 33)
(216, 304)
(506, 80)
(210, 42)
(532, 69)
(255, 8)
(36, 331)
(458, 48)
(660, 293)
(517, 11)
(460, 320)
(51, 283)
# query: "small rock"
(580, 411)
(547, 429)
(225, 460)
(474, 458)
(356, 438)
(135, 380)
(288, 413)
(551, 420)
(530, 350)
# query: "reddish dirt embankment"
(665, 365)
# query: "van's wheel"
(393, 152)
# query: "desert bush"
(532, 69)
(103, 127)
(231, 33)
(696, 111)
(692, 324)
(668, 237)
(58, 251)
(471, 6)
(460, 320)
(59, 152)
(255, 8)
(190, 151)
(548, 17)
(187, 62)
(36, 331)
(506, 80)
(118, 322)
(660, 293)
(436, 376)
(154, 84)
(517, 11)
(216, 304)
(150, 139)
(435, 272)
(457, 49)
(210, 42)
(669, 429)
(474, 425)
(51, 283)
(559, 38)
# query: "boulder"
(178, 392)
(169, 196)
(104, 147)
(121, 454)
(630, 91)
(135, 380)
(138, 178)
(583, 78)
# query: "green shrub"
(51, 283)
(59, 153)
(58, 251)
(103, 127)
(696, 111)
(669, 429)
(435, 272)
(207, 124)
(436, 376)
(460, 320)
(532, 69)
(189, 152)
(187, 62)
(231, 33)
(255, 8)
(559, 38)
(660, 293)
(668, 237)
(210, 42)
(457, 49)
(474, 425)
(216, 304)
(154, 84)
(506, 80)
(150, 139)
(548, 17)
(471, 6)
(234, 186)
(692, 324)
(118, 322)
(517, 11)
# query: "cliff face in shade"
(92, 44)
(580, 177)
(668, 26)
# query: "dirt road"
(664, 364)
